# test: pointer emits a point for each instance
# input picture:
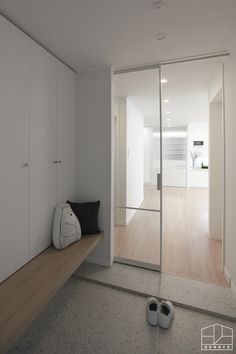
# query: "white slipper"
(152, 311)
(166, 314)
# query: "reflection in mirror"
(137, 163)
(137, 159)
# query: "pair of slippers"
(159, 313)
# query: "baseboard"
(227, 275)
(99, 261)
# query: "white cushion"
(66, 227)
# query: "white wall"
(198, 132)
(174, 167)
(95, 151)
(227, 74)
(148, 131)
(135, 157)
(215, 84)
(129, 174)
(120, 159)
(156, 168)
(198, 177)
(175, 157)
(216, 171)
(230, 164)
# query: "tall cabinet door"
(14, 116)
(42, 148)
(66, 134)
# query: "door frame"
(211, 105)
(159, 66)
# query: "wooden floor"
(187, 249)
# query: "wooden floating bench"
(25, 293)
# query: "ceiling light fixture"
(167, 112)
(164, 81)
(158, 6)
(160, 36)
(166, 100)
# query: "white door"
(42, 148)
(66, 134)
(14, 119)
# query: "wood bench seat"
(24, 294)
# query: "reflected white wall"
(129, 159)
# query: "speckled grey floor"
(87, 318)
(192, 293)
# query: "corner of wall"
(95, 152)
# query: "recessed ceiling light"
(166, 100)
(168, 119)
(158, 6)
(160, 36)
(167, 112)
(164, 81)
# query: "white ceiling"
(93, 33)
(186, 91)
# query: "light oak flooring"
(187, 249)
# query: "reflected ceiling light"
(164, 81)
(168, 112)
(166, 100)
(168, 119)
(158, 6)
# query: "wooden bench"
(24, 294)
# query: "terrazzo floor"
(88, 318)
(195, 294)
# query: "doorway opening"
(169, 169)
(193, 170)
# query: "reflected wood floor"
(187, 249)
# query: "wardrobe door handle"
(58, 161)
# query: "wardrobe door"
(66, 134)
(14, 119)
(42, 148)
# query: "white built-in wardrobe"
(37, 145)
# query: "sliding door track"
(139, 264)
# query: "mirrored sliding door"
(138, 187)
